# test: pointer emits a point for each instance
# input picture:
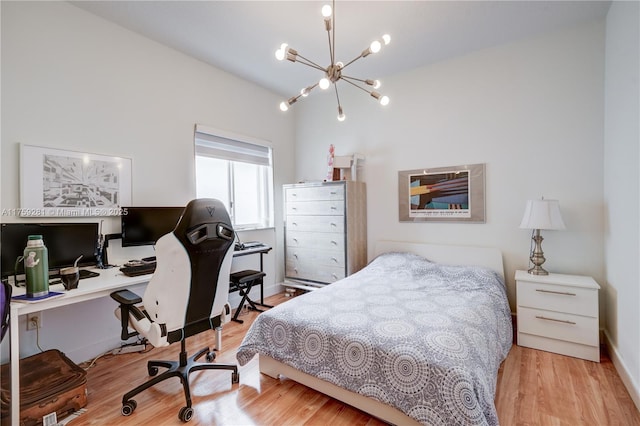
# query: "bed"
(415, 337)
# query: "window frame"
(233, 151)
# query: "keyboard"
(141, 269)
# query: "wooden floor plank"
(533, 388)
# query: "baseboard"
(623, 372)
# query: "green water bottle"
(36, 267)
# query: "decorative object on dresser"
(325, 232)
(558, 313)
(540, 214)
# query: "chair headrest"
(204, 219)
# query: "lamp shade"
(542, 214)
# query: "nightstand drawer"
(567, 299)
(556, 325)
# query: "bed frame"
(447, 254)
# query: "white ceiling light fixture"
(334, 72)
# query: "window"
(237, 171)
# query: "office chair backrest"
(191, 281)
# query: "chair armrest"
(126, 297)
(127, 300)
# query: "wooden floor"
(534, 388)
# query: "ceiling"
(241, 37)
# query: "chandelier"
(335, 71)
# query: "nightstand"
(558, 313)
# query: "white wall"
(71, 80)
(532, 111)
(622, 192)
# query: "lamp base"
(537, 256)
(538, 270)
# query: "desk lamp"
(540, 214)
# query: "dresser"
(558, 313)
(325, 232)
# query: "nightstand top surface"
(559, 279)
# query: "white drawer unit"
(325, 231)
(558, 313)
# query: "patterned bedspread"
(425, 338)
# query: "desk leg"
(14, 356)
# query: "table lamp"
(538, 215)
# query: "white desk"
(88, 289)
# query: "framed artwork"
(55, 182)
(444, 194)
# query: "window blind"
(215, 144)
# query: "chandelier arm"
(335, 86)
(310, 63)
(331, 53)
(332, 47)
(353, 78)
(347, 79)
(352, 61)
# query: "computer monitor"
(64, 242)
(142, 226)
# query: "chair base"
(180, 369)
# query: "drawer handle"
(294, 224)
(295, 256)
(333, 224)
(334, 243)
(294, 208)
(565, 293)
(333, 192)
(334, 259)
(334, 208)
(556, 320)
(334, 276)
(295, 240)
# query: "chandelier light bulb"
(384, 101)
(386, 39)
(305, 92)
(283, 106)
(341, 116)
(326, 11)
(375, 46)
(324, 83)
(281, 53)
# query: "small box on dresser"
(558, 313)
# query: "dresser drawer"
(296, 256)
(315, 193)
(311, 272)
(316, 240)
(567, 299)
(315, 224)
(315, 208)
(560, 326)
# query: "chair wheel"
(210, 356)
(235, 378)
(186, 413)
(128, 407)
(153, 371)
